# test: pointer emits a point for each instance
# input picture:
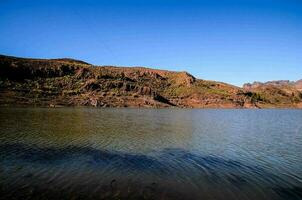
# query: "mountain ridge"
(70, 82)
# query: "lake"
(90, 153)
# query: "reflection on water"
(150, 154)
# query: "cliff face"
(68, 82)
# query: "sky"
(233, 41)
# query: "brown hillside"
(68, 82)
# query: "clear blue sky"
(234, 41)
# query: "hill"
(69, 82)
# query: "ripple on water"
(85, 153)
(78, 171)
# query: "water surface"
(85, 153)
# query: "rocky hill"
(280, 93)
(69, 82)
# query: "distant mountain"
(281, 93)
(69, 82)
(298, 85)
(279, 83)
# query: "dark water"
(84, 153)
